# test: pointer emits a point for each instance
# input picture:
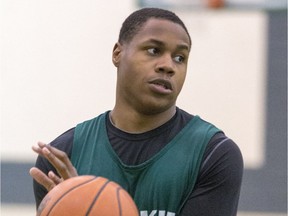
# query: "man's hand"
(59, 160)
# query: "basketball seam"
(96, 197)
(118, 201)
(55, 203)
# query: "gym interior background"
(56, 71)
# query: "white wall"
(56, 68)
(56, 71)
(227, 76)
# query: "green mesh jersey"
(159, 186)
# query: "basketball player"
(170, 161)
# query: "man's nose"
(165, 65)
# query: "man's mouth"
(163, 83)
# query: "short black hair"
(135, 21)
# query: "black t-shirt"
(217, 189)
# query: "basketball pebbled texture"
(87, 195)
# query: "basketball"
(87, 195)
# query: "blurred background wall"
(56, 71)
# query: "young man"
(171, 162)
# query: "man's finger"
(41, 178)
(39, 147)
(55, 178)
(60, 161)
(54, 160)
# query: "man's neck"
(134, 122)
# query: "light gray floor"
(29, 210)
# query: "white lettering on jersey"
(145, 213)
(154, 213)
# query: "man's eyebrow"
(160, 43)
(155, 41)
(183, 47)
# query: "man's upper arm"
(218, 185)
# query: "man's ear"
(116, 54)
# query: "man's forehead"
(156, 27)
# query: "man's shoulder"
(64, 142)
(221, 148)
(92, 121)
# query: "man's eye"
(179, 59)
(153, 51)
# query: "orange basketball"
(87, 195)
